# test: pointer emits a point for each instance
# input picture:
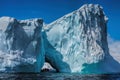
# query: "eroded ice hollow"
(77, 42)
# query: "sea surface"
(57, 76)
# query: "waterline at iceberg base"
(57, 76)
(75, 43)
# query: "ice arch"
(23, 49)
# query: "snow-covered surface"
(21, 43)
(13, 59)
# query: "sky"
(51, 10)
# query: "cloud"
(114, 45)
(114, 48)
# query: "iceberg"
(74, 43)
(77, 42)
(21, 45)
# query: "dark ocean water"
(57, 76)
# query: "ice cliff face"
(21, 44)
(79, 37)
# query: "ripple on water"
(57, 76)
